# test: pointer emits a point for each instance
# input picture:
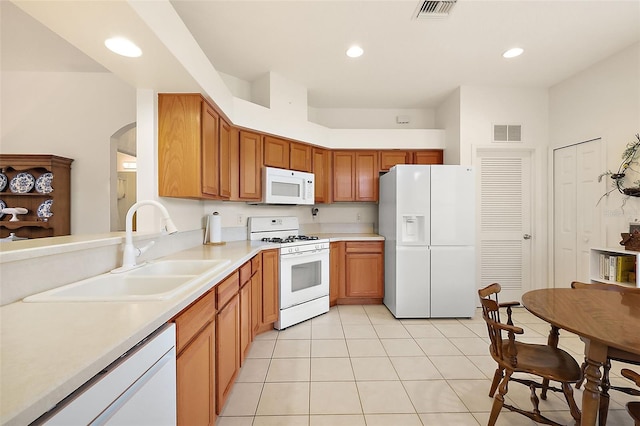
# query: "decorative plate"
(43, 183)
(22, 183)
(2, 206)
(44, 209)
(3, 181)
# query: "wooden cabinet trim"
(191, 320)
(245, 273)
(227, 289)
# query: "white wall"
(482, 107)
(448, 118)
(372, 118)
(72, 115)
(602, 102)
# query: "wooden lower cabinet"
(195, 374)
(256, 295)
(196, 362)
(245, 319)
(227, 349)
(336, 271)
(357, 272)
(270, 278)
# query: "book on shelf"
(620, 268)
(625, 264)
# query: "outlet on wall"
(358, 217)
(240, 219)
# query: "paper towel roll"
(215, 228)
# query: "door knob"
(527, 236)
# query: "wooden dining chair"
(549, 363)
(612, 354)
(633, 407)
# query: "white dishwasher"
(137, 389)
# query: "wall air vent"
(507, 133)
(434, 9)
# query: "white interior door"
(577, 218)
(505, 218)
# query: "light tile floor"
(358, 365)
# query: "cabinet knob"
(527, 236)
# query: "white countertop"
(50, 349)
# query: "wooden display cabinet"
(30, 225)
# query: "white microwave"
(282, 186)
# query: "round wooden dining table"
(602, 318)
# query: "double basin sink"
(159, 280)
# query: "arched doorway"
(123, 175)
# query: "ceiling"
(407, 62)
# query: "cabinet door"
(364, 275)
(343, 174)
(270, 278)
(429, 156)
(336, 271)
(225, 160)
(389, 159)
(250, 166)
(256, 301)
(179, 145)
(366, 176)
(245, 320)
(322, 172)
(227, 349)
(364, 269)
(300, 157)
(276, 152)
(210, 146)
(195, 375)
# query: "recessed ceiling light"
(355, 52)
(512, 53)
(123, 47)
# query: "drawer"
(364, 246)
(245, 273)
(227, 289)
(256, 263)
(190, 321)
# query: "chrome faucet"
(131, 252)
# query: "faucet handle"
(145, 248)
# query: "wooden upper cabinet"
(355, 176)
(428, 156)
(276, 152)
(322, 171)
(343, 176)
(224, 185)
(366, 175)
(250, 179)
(210, 147)
(300, 157)
(285, 154)
(390, 158)
(189, 148)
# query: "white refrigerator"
(427, 216)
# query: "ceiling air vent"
(507, 133)
(435, 9)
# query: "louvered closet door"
(505, 221)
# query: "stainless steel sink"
(154, 281)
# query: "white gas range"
(304, 268)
